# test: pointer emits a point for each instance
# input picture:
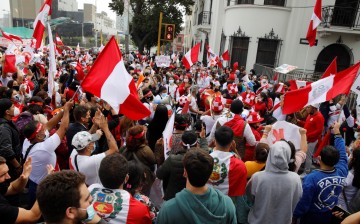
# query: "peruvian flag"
(320, 91)
(167, 135)
(40, 22)
(52, 62)
(109, 80)
(229, 181)
(58, 40)
(191, 56)
(277, 111)
(57, 50)
(314, 23)
(79, 70)
(331, 70)
(212, 58)
(11, 62)
(276, 76)
(11, 37)
(298, 84)
(225, 56)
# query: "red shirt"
(314, 126)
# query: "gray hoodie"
(274, 191)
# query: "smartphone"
(339, 209)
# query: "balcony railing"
(340, 16)
(204, 18)
(245, 2)
(281, 3)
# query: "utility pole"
(159, 33)
(127, 35)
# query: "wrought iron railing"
(204, 18)
(245, 2)
(340, 16)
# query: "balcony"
(340, 20)
(204, 18)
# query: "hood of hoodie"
(196, 211)
(279, 157)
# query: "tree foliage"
(146, 13)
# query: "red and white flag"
(12, 61)
(28, 52)
(212, 58)
(320, 91)
(58, 40)
(276, 76)
(314, 23)
(52, 62)
(298, 84)
(109, 80)
(57, 50)
(229, 180)
(331, 70)
(225, 56)
(167, 135)
(77, 50)
(79, 70)
(191, 57)
(40, 22)
(10, 36)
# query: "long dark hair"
(355, 164)
(292, 165)
(157, 125)
(136, 177)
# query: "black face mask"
(16, 88)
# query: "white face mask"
(171, 81)
(356, 135)
(186, 80)
(16, 112)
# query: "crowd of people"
(66, 156)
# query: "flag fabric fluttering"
(58, 40)
(167, 135)
(109, 80)
(314, 23)
(52, 62)
(320, 91)
(225, 56)
(10, 36)
(191, 57)
(212, 58)
(331, 70)
(40, 22)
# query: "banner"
(285, 68)
(284, 130)
(167, 135)
(162, 61)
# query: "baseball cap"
(83, 139)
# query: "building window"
(245, 2)
(275, 2)
(239, 47)
(268, 50)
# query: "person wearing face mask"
(171, 88)
(113, 173)
(41, 148)
(163, 97)
(17, 100)
(183, 86)
(64, 198)
(10, 146)
(81, 159)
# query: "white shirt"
(248, 135)
(193, 105)
(171, 90)
(88, 165)
(42, 154)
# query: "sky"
(102, 5)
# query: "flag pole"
(307, 53)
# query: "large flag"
(58, 40)
(79, 70)
(12, 61)
(191, 57)
(225, 56)
(52, 62)
(28, 52)
(314, 23)
(298, 84)
(320, 91)
(109, 80)
(331, 70)
(10, 36)
(40, 22)
(167, 135)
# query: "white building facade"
(68, 5)
(270, 32)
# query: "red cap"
(254, 117)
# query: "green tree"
(145, 22)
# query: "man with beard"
(64, 198)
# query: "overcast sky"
(102, 5)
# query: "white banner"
(167, 135)
(162, 61)
(356, 86)
(285, 68)
(284, 130)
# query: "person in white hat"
(81, 159)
